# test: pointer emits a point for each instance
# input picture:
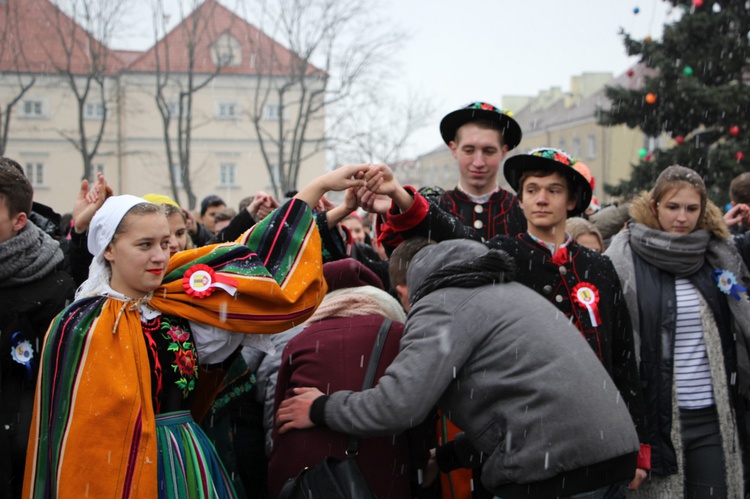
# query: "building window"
(227, 110)
(653, 143)
(273, 112)
(173, 107)
(227, 174)
(591, 146)
(32, 109)
(227, 51)
(576, 148)
(35, 174)
(96, 169)
(177, 171)
(94, 111)
(225, 59)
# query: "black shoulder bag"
(334, 478)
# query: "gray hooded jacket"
(506, 367)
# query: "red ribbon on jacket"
(587, 296)
(561, 256)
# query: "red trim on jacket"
(400, 221)
(644, 457)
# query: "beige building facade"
(225, 153)
(568, 121)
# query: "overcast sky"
(469, 50)
(465, 50)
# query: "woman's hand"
(739, 213)
(431, 470)
(381, 180)
(640, 477)
(337, 180)
(88, 202)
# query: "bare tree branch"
(182, 82)
(379, 132)
(326, 50)
(15, 65)
(84, 35)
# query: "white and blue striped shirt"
(692, 373)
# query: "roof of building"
(260, 54)
(38, 37)
(128, 56)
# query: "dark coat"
(742, 241)
(332, 355)
(612, 339)
(656, 296)
(442, 215)
(25, 315)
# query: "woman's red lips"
(154, 271)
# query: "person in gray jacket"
(508, 368)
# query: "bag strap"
(377, 349)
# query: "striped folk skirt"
(189, 467)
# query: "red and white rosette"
(201, 280)
(587, 296)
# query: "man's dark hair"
(402, 256)
(13, 163)
(211, 201)
(739, 188)
(15, 189)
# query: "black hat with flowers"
(552, 160)
(481, 111)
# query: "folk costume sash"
(278, 285)
(95, 363)
(91, 370)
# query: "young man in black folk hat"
(479, 136)
(580, 282)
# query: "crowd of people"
(536, 346)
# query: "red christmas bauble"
(698, 3)
(734, 131)
(679, 139)
(630, 72)
(739, 156)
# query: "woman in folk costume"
(119, 365)
(684, 283)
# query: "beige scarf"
(359, 301)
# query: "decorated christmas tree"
(698, 94)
